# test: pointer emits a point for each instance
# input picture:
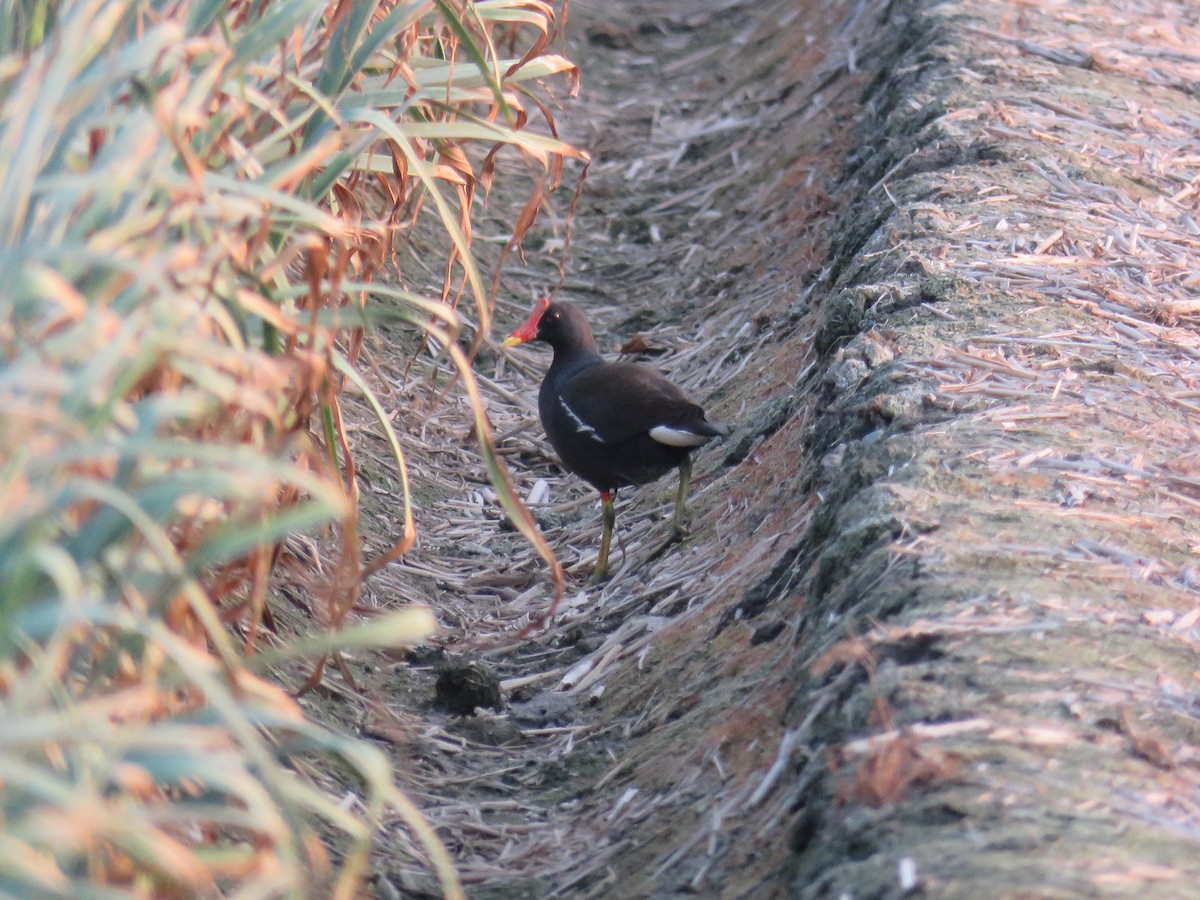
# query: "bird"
(613, 424)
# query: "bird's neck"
(580, 352)
(573, 359)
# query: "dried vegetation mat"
(698, 187)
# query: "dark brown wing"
(623, 400)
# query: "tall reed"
(190, 229)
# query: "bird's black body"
(612, 424)
(615, 448)
(599, 415)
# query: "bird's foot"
(599, 575)
(679, 529)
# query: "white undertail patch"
(581, 426)
(678, 437)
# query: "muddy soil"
(935, 627)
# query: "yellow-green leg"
(608, 516)
(685, 480)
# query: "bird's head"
(561, 325)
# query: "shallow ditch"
(883, 654)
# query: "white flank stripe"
(677, 437)
(581, 426)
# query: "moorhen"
(614, 424)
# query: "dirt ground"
(935, 629)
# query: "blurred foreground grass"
(195, 196)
